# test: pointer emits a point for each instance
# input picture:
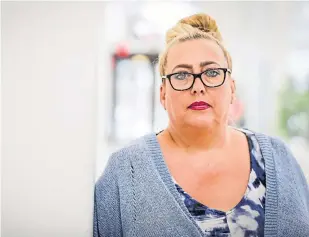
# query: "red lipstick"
(199, 105)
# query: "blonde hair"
(198, 26)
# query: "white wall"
(49, 78)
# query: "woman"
(201, 177)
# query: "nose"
(198, 87)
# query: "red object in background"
(122, 51)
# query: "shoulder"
(135, 149)
(285, 163)
(269, 143)
(276, 147)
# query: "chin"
(201, 122)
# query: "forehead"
(193, 52)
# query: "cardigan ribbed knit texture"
(136, 196)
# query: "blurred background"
(80, 80)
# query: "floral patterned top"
(247, 217)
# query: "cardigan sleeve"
(298, 174)
(300, 177)
(106, 215)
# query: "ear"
(233, 90)
(162, 94)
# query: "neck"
(199, 139)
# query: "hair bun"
(203, 22)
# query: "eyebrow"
(188, 66)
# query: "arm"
(106, 218)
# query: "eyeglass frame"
(197, 75)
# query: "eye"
(181, 76)
(212, 72)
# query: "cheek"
(175, 102)
(173, 98)
(221, 99)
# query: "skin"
(208, 159)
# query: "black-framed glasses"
(211, 77)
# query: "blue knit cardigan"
(135, 195)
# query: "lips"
(199, 105)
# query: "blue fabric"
(136, 196)
(247, 217)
